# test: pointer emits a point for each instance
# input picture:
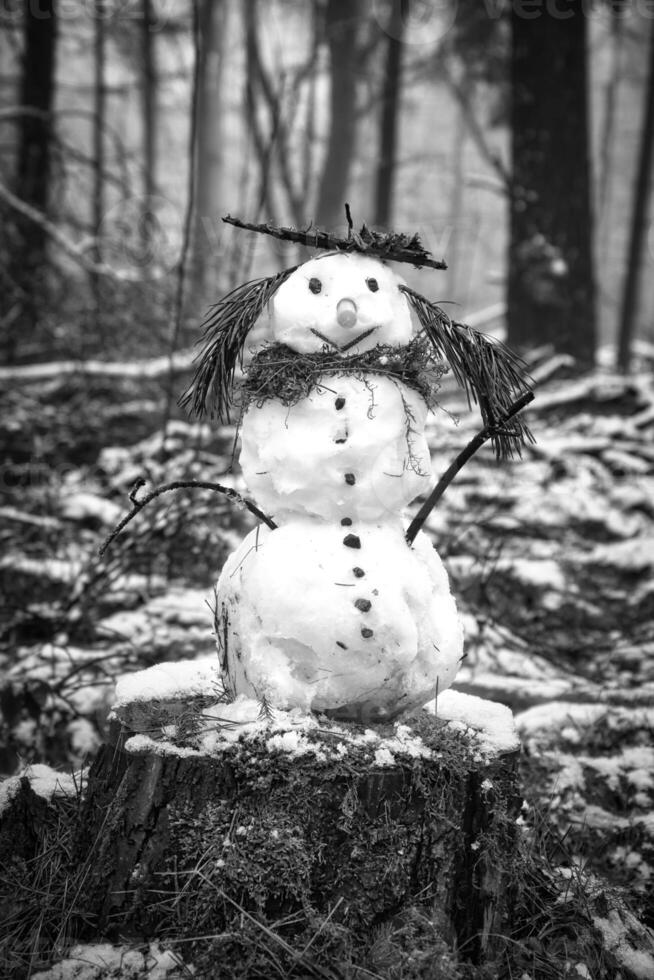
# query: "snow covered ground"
(550, 560)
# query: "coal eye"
(372, 285)
(315, 285)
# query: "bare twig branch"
(178, 485)
(482, 436)
(398, 248)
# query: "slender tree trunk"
(27, 271)
(456, 205)
(605, 187)
(389, 117)
(99, 114)
(551, 294)
(342, 23)
(218, 23)
(638, 218)
(149, 88)
(263, 146)
(37, 92)
(308, 175)
(611, 90)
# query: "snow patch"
(83, 505)
(44, 781)
(284, 731)
(294, 744)
(102, 961)
(169, 681)
(615, 932)
(557, 714)
(384, 757)
(144, 745)
(490, 723)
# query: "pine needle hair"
(225, 332)
(491, 375)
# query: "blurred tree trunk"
(149, 89)
(37, 93)
(272, 139)
(638, 217)
(456, 231)
(32, 178)
(551, 294)
(218, 25)
(342, 20)
(389, 116)
(607, 137)
(608, 146)
(255, 81)
(99, 121)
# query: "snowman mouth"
(343, 347)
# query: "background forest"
(516, 138)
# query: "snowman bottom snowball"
(346, 621)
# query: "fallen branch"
(72, 249)
(178, 485)
(154, 367)
(482, 436)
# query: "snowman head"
(346, 302)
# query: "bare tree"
(149, 89)
(343, 19)
(218, 20)
(27, 267)
(638, 218)
(272, 138)
(391, 90)
(551, 295)
(37, 93)
(99, 122)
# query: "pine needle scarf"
(284, 374)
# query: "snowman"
(331, 609)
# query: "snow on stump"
(297, 824)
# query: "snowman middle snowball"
(333, 611)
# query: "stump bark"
(261, 847)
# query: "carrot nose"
(346, 313)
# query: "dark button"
(363, 604)
(339, 403)
(350, 479)
(352, 541)
(346, 521)
(359, 572)
(366, 633)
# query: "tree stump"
(288, 843)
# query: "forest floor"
(550, 558)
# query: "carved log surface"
(256, 832)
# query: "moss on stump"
(265, 850)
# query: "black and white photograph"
(327, 490)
